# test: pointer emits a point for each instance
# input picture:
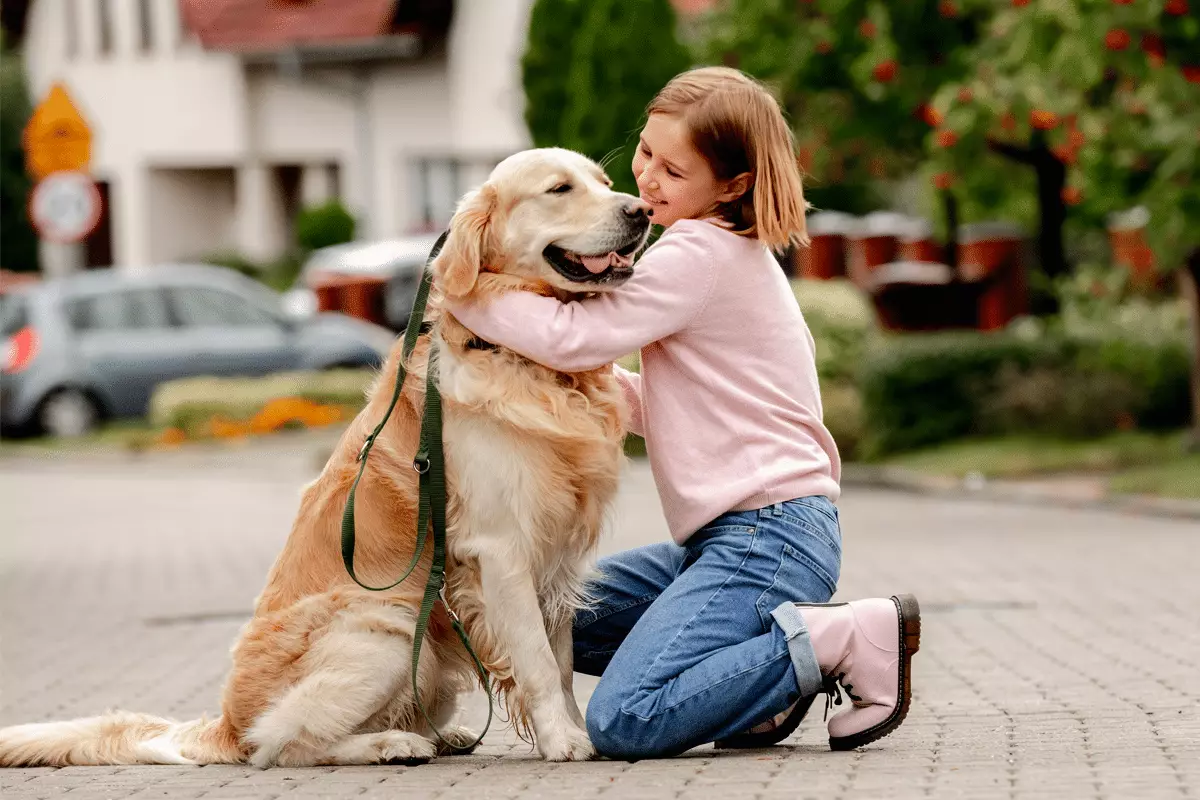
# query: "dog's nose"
(639, 211)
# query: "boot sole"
(910, 642)
(748, 741)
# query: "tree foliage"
(589, 70)
(18, 243)
(1097, 97)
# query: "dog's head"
(545, 217)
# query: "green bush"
(922, 389)
(279, 274)
(842, 323)
(323, 226)
(844, 417)
(190, 403)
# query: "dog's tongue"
(597, 264)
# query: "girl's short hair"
(738, 127)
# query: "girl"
(724, 629)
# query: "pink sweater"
(727, 399)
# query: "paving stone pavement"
(1059, 653)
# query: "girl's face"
(674, 178)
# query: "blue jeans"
(699, 642)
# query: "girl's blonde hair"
(737, 126)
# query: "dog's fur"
(321, 673)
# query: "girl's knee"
(619, 734)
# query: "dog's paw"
(403, 747)
(457, 740)
(566, 744)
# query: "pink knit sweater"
(727, 399)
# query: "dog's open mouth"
(616, 265)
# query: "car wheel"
(68, 413)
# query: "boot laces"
(831, 685)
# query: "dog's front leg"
(564, 653)
(514, 616)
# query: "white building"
(214, 121)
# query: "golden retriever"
(321, 673)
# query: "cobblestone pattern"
(1058, 658)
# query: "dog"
(321, 673)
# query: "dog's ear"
(457, 266)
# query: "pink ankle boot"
(867, 647)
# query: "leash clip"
(421, 464)
(446, 605)
(366, 445)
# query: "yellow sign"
(57, 138)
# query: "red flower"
(824, 47)
(1072, 196)
(1043, 120)
(947, 8)
(943, 180)
(1065, 154)
(867, 28)
(1117, 39)
(885, 72)
(947, 138)
(1191, 73)
(1153, 47)
(1020, 3)
(965, 95)
(1008, 122)
(930, 115)
(1176, 7)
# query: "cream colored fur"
(321, 673)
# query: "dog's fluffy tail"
(119, 738)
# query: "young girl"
(722, 630)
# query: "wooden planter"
(992, 255)
(825, 257)
(364, 298)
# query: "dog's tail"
(119, 738)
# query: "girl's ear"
(457, 267)
(736, 187)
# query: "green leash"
(431, 509)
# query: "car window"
(135, 309)
(198, 306)
(14, 314)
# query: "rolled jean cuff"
(808, 674)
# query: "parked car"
(399, 262)
(95, 345)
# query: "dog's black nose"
(638, 211)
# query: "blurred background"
(214, 212)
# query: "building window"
(146, 21)
(72, 28)
(437, 183)
(104, 23)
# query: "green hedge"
(919, 390)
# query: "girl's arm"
(631, 387)
(670, 286)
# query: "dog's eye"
(562, 188)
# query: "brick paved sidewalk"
(1058, 660)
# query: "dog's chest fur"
(534, 461)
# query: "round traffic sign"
(65, 206)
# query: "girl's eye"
(645, 150)
(562, 188)
(673, 173)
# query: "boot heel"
(910, 614)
